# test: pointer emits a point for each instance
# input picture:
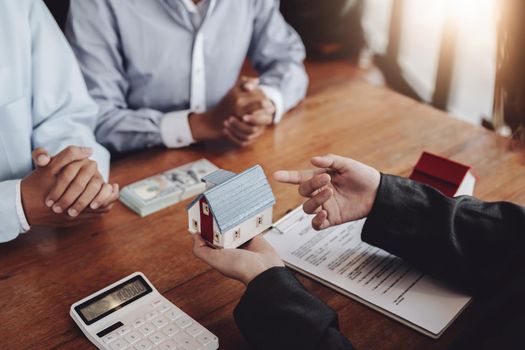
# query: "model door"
(206, 221)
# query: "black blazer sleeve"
(472, 244)
(277, 312)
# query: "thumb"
(40, 157)
(249, 83)
(330, 161)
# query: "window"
(237, 234)
(195, 225)
(216, 238)
(259, 221)
(205, 209)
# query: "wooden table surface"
(44, 271)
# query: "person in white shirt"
(45, 109)
(165, 72)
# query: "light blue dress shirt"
(43, 102)
(150, 63)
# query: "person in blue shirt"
(45, 109)
(165, 72)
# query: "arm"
(11, 211)
(277, 312)
(465, 241)
(277, 53)
(63, 113)
(94, 35)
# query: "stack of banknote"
(160, 191)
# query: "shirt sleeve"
(277, 312)
(277, 53)
(63, 112)
(472, 244)
(276, 97)
(93, 34)
(12, 214)
(175, 129)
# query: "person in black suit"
(473, 245)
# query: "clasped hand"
(242, 115)
(66, 189)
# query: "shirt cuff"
(277, 98)
(175, 129)
(20, 208)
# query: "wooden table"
(44, 271)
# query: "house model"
(449, 177)
(233, 209)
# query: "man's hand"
(64, 177)
(244, 264)
(340, 190)
(242, 115)
(253, 114)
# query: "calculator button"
(133, 337)
(146, 329)
(160, 321)
(186, 340)
(157, 337)
(138, 322)
(207, 338)
(183, 322)
(124, 330)
(164, 307)
(143, 345)
(194, 330)
(168, 345)
(119, 344)
(156, 302)
(173, 314)
(151, 315)
(110, 337)
(170, 330)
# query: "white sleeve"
(12, 214)
(277, 98)
(175, 129)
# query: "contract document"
(339, 259)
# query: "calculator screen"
(113, 299)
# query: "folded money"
(154, 193)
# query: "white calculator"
(132, 314)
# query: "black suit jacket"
(471, 244)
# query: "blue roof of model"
(218, 176)
(239, 198)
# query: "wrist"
(200, 126)
(252, 273)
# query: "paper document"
(338, 258)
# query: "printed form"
(338, 258)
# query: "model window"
(205, 209)
(237, 234)
(195, 225)
(216, 237)
(259, 221)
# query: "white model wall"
(249, 229)
(194, 214)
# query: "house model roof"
(218, 177)
(440, 173)
(236, 198)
